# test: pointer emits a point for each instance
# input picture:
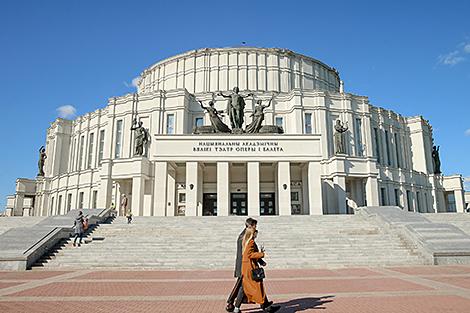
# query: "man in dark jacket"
(237, 291)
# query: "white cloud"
(134, 82)
(466, 48)
(467, 132)
(451, 58)
(66, 111)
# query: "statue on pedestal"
(235, 108)
(214, 115)
(258, 117)
(436, 160)
(141, 137)
(42, 160)
(339, 137)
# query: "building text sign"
(238, 146)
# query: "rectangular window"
(280, 121)
(80, 158)
(95, 199)
(397, 150)
(451, 207)
(418, 201)
(80, 200)
(308, 123)
(358, 137)
(199, 121)
(74, 143)
(52, 206)
(397, 197)
(117, 147)
(59, 205)
(69, 202)
(409, 200)
(101, 146)
(377, 145)
(90, 150)
(383, 196)
(182, 197)
(170, 124)
(387, 146)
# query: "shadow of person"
(299, 305)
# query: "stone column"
(340, 192)
(372, 191)
(253, 188)
(192, 187)
(459, 200)
(138, 189)
(105, 196)
(171, 191)
(283, 188)
(315, 194)
(223, 188)
(160, 188)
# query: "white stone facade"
(90, 160)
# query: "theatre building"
(312, 148)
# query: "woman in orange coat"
(254, 290)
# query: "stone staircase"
(7, 223)
(210, 243)
(460, 220)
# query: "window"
(383, 196)
(59, 204)
(397, 197)
(280, 121)
(80, 200)
(90, 150)
(80, 157)
(117, 147)
(182, 197)
(308, 123)
(170, 124)
(358, 137)
(52, 206)
(397, 150)
(451, 207)
(95, 199)
(198, 121)
(418, 202)
(377, 145)
(101, 146)
(69, 202)
(387, 145)
(72, 159)
(409, 200)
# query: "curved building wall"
(256, 69)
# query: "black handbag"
(257, 274)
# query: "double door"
(238, 204)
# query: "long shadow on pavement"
(299, 305)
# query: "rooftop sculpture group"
(236, 112)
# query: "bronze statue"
(258, 117)
(339, 137)
(42, 160)
(141, 137)
(235, 107)
(214, 116)
(436, 160)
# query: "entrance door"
(209, 204)
(238, 201)
(266, 204)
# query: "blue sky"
(409, 56)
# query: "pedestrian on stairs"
(78, 228)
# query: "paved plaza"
(406, 289)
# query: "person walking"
(253, 288)
(78, 228)
(237, 291)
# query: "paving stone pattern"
(418, 289)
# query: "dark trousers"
(234, 294)
(80, 235)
